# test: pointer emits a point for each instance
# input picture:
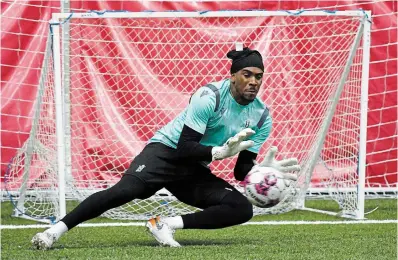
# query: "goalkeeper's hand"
(284, 166)
(233, 145)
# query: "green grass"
(357, 241)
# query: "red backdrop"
(25, 27)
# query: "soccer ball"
(265, 187)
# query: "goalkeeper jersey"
(213, 112)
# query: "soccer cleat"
(43, 240)
(161, 232)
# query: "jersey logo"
(204, 93)
(140, 168)
(247, 123)
(222, 110)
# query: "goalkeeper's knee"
(242, 208)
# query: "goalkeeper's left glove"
(285, 166)
(233, 145)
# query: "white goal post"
(111, 79)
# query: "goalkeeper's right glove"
(233, 145)
(285, 166)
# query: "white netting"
(33, 171)
(130, 76)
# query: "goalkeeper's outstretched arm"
(189, 147)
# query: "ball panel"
(265, 187)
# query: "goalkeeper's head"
(247, 71)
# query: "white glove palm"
(233, 145)
(285, 166)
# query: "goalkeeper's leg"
(137, 183)
(127, 189)
(231, 209)
(223, 206)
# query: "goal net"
(110, 80)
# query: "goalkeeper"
(222, 119)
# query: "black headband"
(245, 58)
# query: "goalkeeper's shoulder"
(204, 97)
(210, 95)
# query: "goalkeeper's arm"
(189, 147)
(244, 164)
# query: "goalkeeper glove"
(284, 166)
(233, 145)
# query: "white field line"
(348, 222)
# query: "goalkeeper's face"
(246, 84)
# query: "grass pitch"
(310, 241)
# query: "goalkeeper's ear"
(233, 78)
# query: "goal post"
(114, 78)
(359, 213)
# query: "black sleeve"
(244, 164)
(189, 147)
